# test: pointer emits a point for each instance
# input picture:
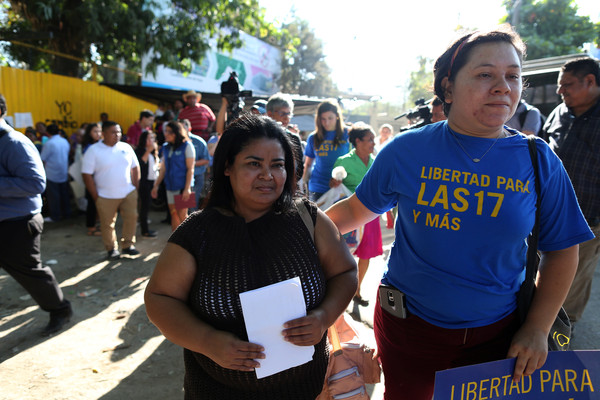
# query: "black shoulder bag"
(560, 333)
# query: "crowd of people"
(459, 254)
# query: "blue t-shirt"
(325, 156)
(461, 229)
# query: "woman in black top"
(147, 154)
(250, 235)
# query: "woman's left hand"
(305, 331)
(530, 347)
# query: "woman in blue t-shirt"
(466, 197)
(323, 147)
(177, 170)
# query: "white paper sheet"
(23, 120)
(265, 311)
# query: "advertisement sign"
(566, 375)
(258, 66)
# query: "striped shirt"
(200, 116)
(576, 140)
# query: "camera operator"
(200, 115)
(437, 110)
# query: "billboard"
(257, 63)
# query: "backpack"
(523, 117)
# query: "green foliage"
(551, 27)
(171, 33)
(303, 68)
(420, 85)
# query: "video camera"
(421, 114)
(233, 92)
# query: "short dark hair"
(457, 55)
(583, 66)
(108, 124)
(53, 129)
(146, 114)
(2, 106)
(358, 131)
(237, 136)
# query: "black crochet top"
(233, 256)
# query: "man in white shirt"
(111, 174)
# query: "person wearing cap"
(259, 107)
(200, 115)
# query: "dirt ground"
(109, 350)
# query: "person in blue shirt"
(323, 147)
(55, 155)
(200, 165)
(22, 181)
(465, 191)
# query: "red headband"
(454, 56)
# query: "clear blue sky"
(372, 46)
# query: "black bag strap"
(528, 286)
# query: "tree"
(551, 27)
(304, 71)
(420, 85)
(172, 33)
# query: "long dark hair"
(87, 135)
(141, 145)
(180, 133)
(329, 105)
(237, 136)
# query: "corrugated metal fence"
(67, 102)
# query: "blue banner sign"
(566, 375)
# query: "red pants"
(412, 350)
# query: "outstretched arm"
(349, 214)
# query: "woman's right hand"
(154, 193)
(230, 352)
